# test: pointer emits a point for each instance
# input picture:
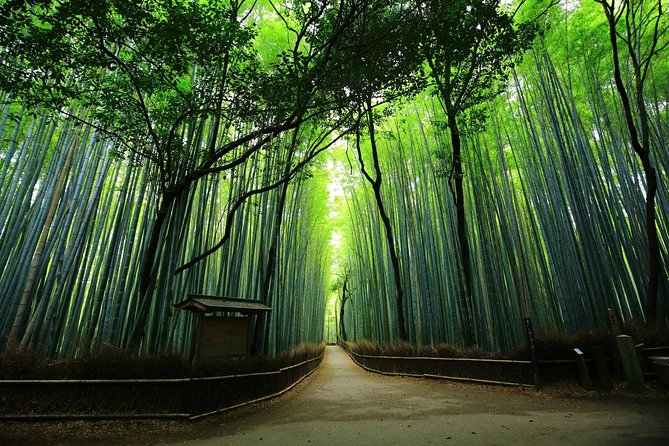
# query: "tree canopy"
(154, 148)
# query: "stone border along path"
(341, 404)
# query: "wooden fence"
(486, 371)
(187, 398)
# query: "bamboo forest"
(430, 171)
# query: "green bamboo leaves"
(76, 219)
(200, 173)
(556, 230)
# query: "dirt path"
(342, 404)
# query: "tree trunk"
(463, 242)
(344, 298)
(445, 89)
(146, 278)
(376, 186)
(654, 255)
(641, 146)
(261, 334)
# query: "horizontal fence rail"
(186, 398)
(488, 371)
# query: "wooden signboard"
(219, 337)
(222, 337)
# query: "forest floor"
(341, 404)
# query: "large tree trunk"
(463, 242)
(261, 333)
(146, 277)
(376, 186)
(654, 256)
(640, 145)
(344, 298)
(456, 184)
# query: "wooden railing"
(186, 398)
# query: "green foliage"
(193, 143)
(133, 64)
(555, 224)
(470, 47)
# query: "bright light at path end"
(335, 240)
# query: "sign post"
(630, 361)
(533, 353)
(583, 373)
(613, 321)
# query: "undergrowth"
(547, 346)
(122, 364)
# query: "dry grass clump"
(405, 349)
(107, 364)
(400, 349)
(557, 346)
(365, 347)
(548, 346)
(17, 364)
(259, 363)
(649, 338)
(300, 353)
(125, 365)
(478, 353)
(122, 364)
(440, 351)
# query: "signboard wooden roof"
(202, 303)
